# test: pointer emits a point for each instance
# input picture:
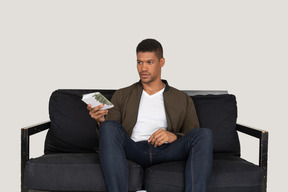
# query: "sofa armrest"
(26, 132)
(262, 135)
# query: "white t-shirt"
(151, 116)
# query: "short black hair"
(150, 45)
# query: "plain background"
(239, 46)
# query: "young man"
(151, 123)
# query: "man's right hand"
(96, 113)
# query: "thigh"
(176, 151)
(137, 152)
(169, 152)
(114, 139)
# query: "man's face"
(149, 66)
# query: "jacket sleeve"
(191, 119)
(115, 112)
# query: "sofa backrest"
(73, 130)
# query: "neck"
(153, 87)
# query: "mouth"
(144, 75)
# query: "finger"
(89, 107)
(160, 140)
(153, 139)
(158, 134)
(154, 135)
(161, 143)
(157, 143)
(97, 107)
(99, 117)
(162, 137)
(96, 115)
(99, 113)
(95, 112)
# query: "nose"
(144, 67)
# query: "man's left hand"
(161, 136)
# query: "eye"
(139, 62)
(150, 62)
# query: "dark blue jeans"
(116, 146)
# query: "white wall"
(239, 46)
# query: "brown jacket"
(179, 107)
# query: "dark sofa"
(71, 162)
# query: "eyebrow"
(147, 60)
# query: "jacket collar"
(167, 87)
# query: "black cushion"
(219, 113)
(73, 172)
(72, 129)
(230, 173)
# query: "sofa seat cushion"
(230, 173)
(73, 172)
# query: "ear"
(162, 62)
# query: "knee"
(206, 136)
(109, 128)
(202, 137)
(206, 133)
(203, 134)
